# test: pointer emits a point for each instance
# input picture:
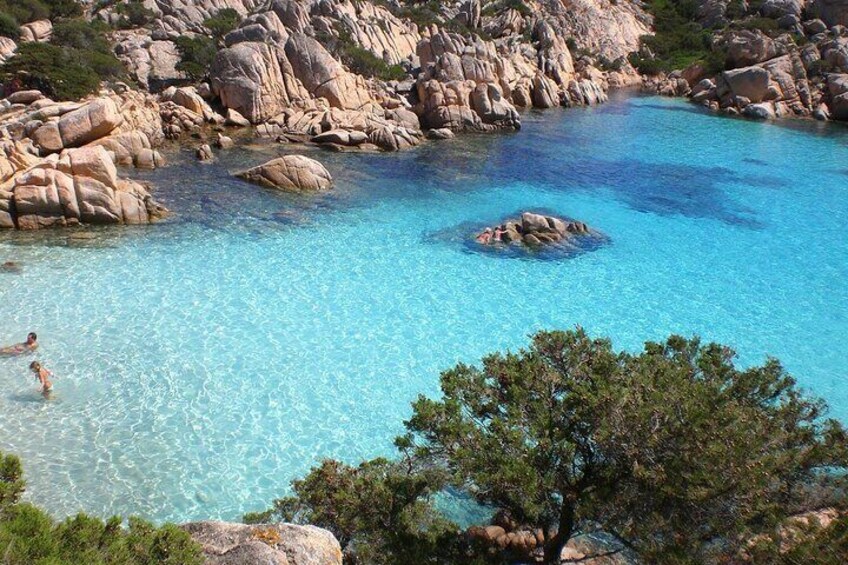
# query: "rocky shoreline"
(795, 67)
(273, 74)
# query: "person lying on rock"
(43, 376)
(485, 237)
(30, 344)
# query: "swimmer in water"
(43, 376)
(29, 345)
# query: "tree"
(380, 511)
(196, 54)
(223, 22)
(666, 450)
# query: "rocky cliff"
(361, 74)
(784, 58)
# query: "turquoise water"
(203, 363)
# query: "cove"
(203, 363)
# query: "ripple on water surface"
(203, 363)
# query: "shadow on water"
(461, 237)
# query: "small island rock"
(294, 173)
(532, 230)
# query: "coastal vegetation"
(68, 67)
(675, 453)
(28, 535)
(678, 40)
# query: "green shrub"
(134, 14)
(820, 67)
(765, 25)
(72, 65)
(64, 8)
(223, 22)
(9, 26)
(364, 62)
(29, 536)
(11, 481)
(24, 11)
(81, 34)
(61, 73)
(197, 54)
(678, 40)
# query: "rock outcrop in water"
(226, 543)
(533, 230)
(293, 173)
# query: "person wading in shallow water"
(43, 376)
(30, 344)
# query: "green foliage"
(678, 40)
(59, 73)
(664, 449)
(820, 67)
(669, 451)
(223, 22)
(364, 62)
(9, 26)
(134, 14)
(11, 481)
(71, 66)
(197, 54)
(28, 535)
(357, 59)
(765, 25)
(807, 543)
(24, 11)
(381, 511)
(81, 34)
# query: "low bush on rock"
(674, 452)
(58, 73)
(223, 22)
(196, 55)
(28, 535)
(133, 14)
(24, 11)
(71, 66)
(364, 62)
(9, 26)
(678, 40)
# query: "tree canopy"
(675, 451)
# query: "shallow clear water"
(203, 363)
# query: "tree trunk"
(553, 546)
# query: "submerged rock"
(204, 153)
(226, 543)
(533, 230)
(10, 267)
(294, 173)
